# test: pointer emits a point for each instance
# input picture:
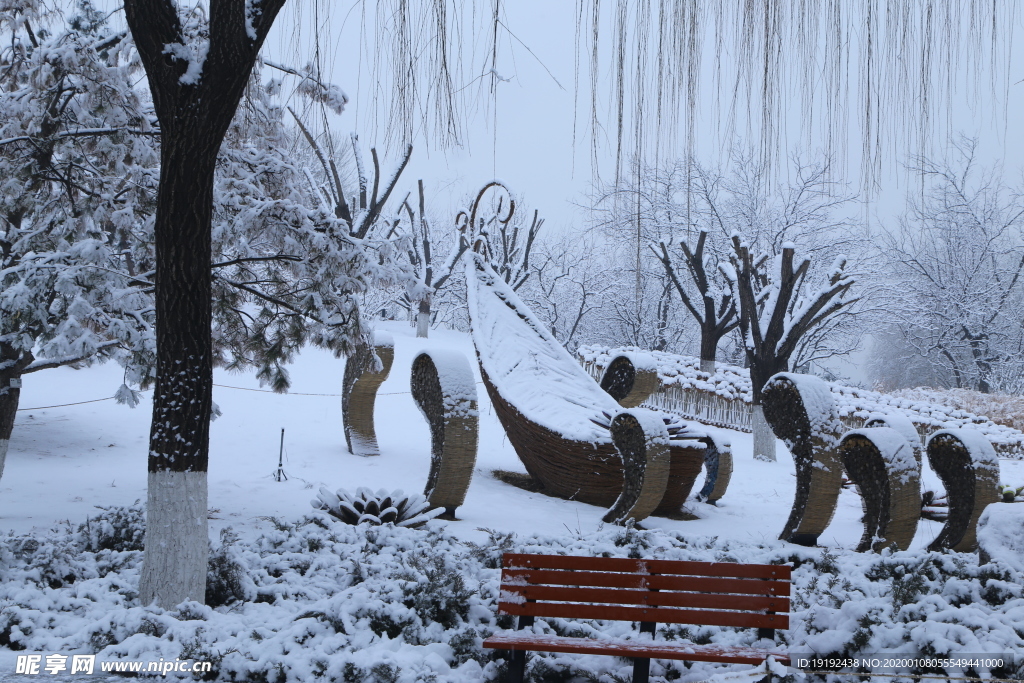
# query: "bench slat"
(633, 648)
(618, 596)
(663, 615)
(620, 564)
(616, 580)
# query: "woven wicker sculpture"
(717, 470)
(802, 412)
(903, 425)
(882, 463)
(359, 392)
(562, 425)
(445, 391)
(630, 379)
(969, 469)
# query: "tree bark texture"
(195, 110)
(12, 363)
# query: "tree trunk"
(11, 365)
(761, 371)
(423, 319)
(764, 437)
(195, 110)
(174, 568)
(708, 351)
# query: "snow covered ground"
(64, 461)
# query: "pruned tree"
(362, 212)
(777, 307)
(428, 277)
(716, 311)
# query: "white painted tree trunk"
(423, 319)
(176, 522)
(764, 437)
(707, 366)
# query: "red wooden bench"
(644, 591)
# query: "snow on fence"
(723, 399)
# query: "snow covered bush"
(115, 528)
(312, 600)
(1000, 408)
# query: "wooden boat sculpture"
(572, 436)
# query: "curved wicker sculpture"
(969, 469)
(717, 470)
(645, 465)
(903, 425)
(881, 462)
(630, 379)
(802, 412)
(557, 418)
(445, 392)
(359, 392)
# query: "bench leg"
(641, 669)
(517, 666)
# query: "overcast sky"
(525, 134)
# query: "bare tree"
(428, 277)
(777, 309)
(957, 258)
(568, 289)
(716, 313)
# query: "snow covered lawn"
(355, 604)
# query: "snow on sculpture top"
(538, 377)
(978, 447)
(896, 450)
(818, 404)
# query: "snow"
(526, 363)
(981, 451)
(818, 401)
(902, 424)
(458, 384)
(894, 448)
(1001, 534)
(383, 338)
(65, 461)
(195, 56)
(733, 383)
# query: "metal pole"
(279, 475)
